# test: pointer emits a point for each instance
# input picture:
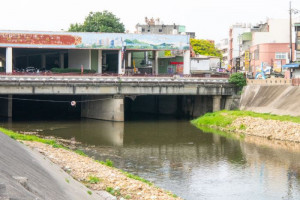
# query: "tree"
(99, 22)
(238, 79)
(204, 47)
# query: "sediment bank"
(285, 128)
(93, 174)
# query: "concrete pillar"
(129, 59)
(6, 106)
(217, 103)
(187, 63)
(228, 102)
(99, 62)
(43, 60)
(62, 60)
(9, 58)
(155, 63)
(109, 108)
(120, 69)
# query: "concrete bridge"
(102, 97)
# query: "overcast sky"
(210, 19)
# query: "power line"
(52, 101)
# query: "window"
(143, 30)
(160, 30)
(280, 55)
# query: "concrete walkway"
(26, 174)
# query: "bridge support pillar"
(6, 106)
(217, 103)
(9, 59)
(109, 108)
(228, 103)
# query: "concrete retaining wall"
(275, 99)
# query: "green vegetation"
(224, 118)
(242, 127)
(238, 79)
(80, 152)
(112, 191)
(108, 163)
(19, 136)
(70, 70)
(94, 180)
(129, 175)
(205, 47)
(89, 192)
(67, 180)
(127, 196)
(99, 22)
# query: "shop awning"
(291, 65)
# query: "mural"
(72, 40)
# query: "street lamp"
(294, 11)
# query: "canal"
(179, 157)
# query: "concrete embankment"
(275, 99)
(26, 174)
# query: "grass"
(19, 136)
(224, 118)
(89, 192)
(67, 180)
(94, 180)
(112, 191)
(108, 162)
(132, 176)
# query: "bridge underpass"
(108, 107)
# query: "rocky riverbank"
(97, 176)
(248, 123)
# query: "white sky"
(210, 19)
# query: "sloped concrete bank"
(274, 99)
(26, 174)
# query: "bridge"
(102, 97)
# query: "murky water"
(178, 157)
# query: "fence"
(270, 81)
(296, 81)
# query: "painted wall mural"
(72, 40)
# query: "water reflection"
(178, 157)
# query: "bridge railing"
(296, 81)
(114, 75)
(270, 81)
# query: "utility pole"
(291, 48)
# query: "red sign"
(39, 39)
(176, 63)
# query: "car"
(30, 69)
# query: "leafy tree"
(99, 22)
(204, 47)
(238, 79)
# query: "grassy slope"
(224, 118)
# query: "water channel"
(179, 157)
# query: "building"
(155, 26)
(223, 46)
(234, 52)
(102, 52)
(270, 45)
